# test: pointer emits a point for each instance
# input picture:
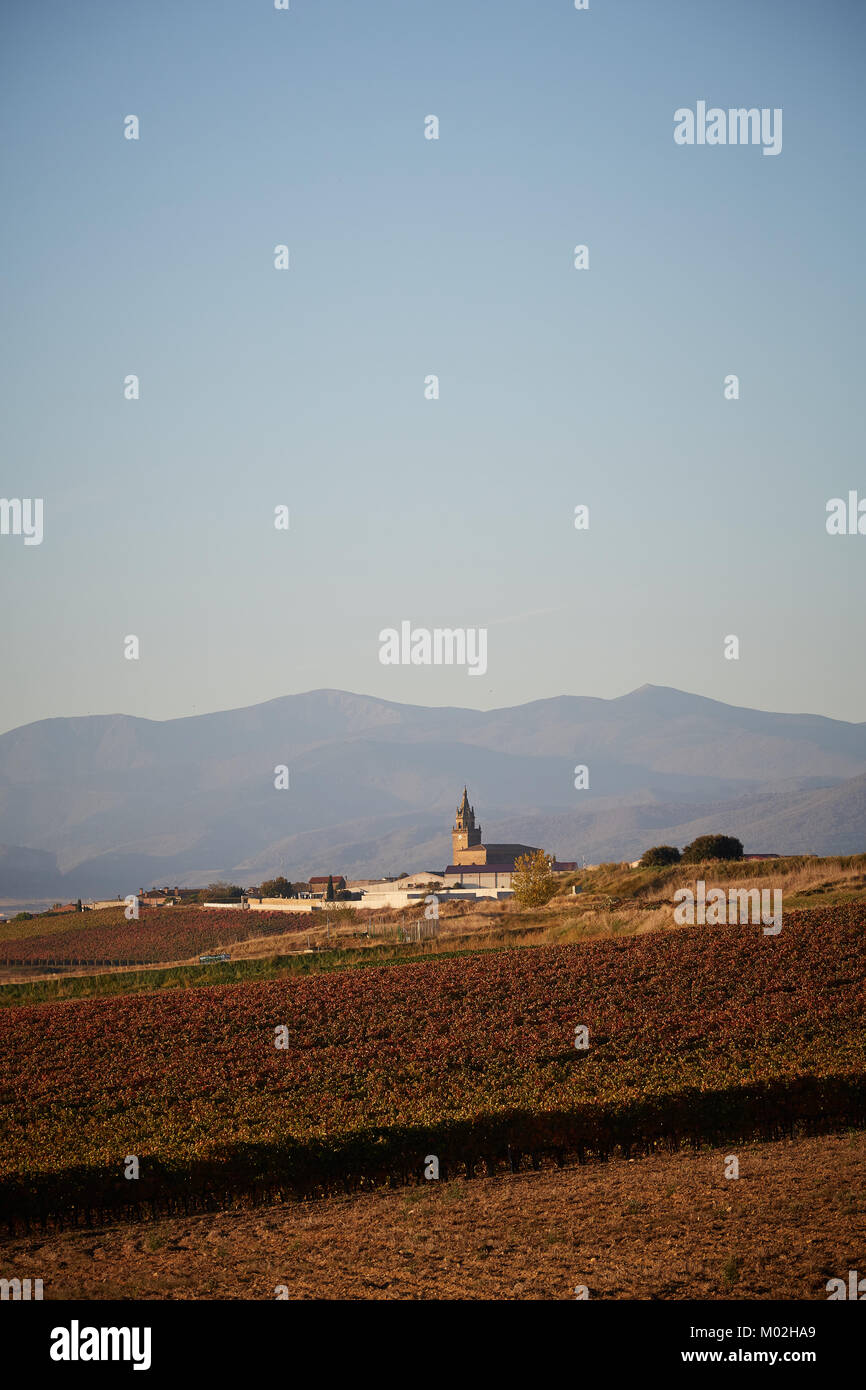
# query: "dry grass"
(800, 876)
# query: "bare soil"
(663, 1227)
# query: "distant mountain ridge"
(105, 804)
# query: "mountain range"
(108, 804)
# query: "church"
(483, 866)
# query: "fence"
(13, 963)
(422, 930)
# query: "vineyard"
(159, 934)
(712, 1034)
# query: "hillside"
(711, 1033)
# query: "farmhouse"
(319, 884)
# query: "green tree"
(221, 893)
(660, 855)
(712, 847)
(279, 887)
(532, 882)
(329, 891)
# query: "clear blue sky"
(411, 257)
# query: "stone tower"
(466, 834)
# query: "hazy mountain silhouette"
(109, 803)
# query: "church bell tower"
(466, 834)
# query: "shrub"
(712, 847)
(660, 855)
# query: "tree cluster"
(278, 887)
(703, 848)
(220, 893)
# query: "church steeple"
(466, 834)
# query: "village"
(478, 872)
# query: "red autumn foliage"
(716, 1033)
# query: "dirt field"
(665, 1227)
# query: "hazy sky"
(411, 257)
